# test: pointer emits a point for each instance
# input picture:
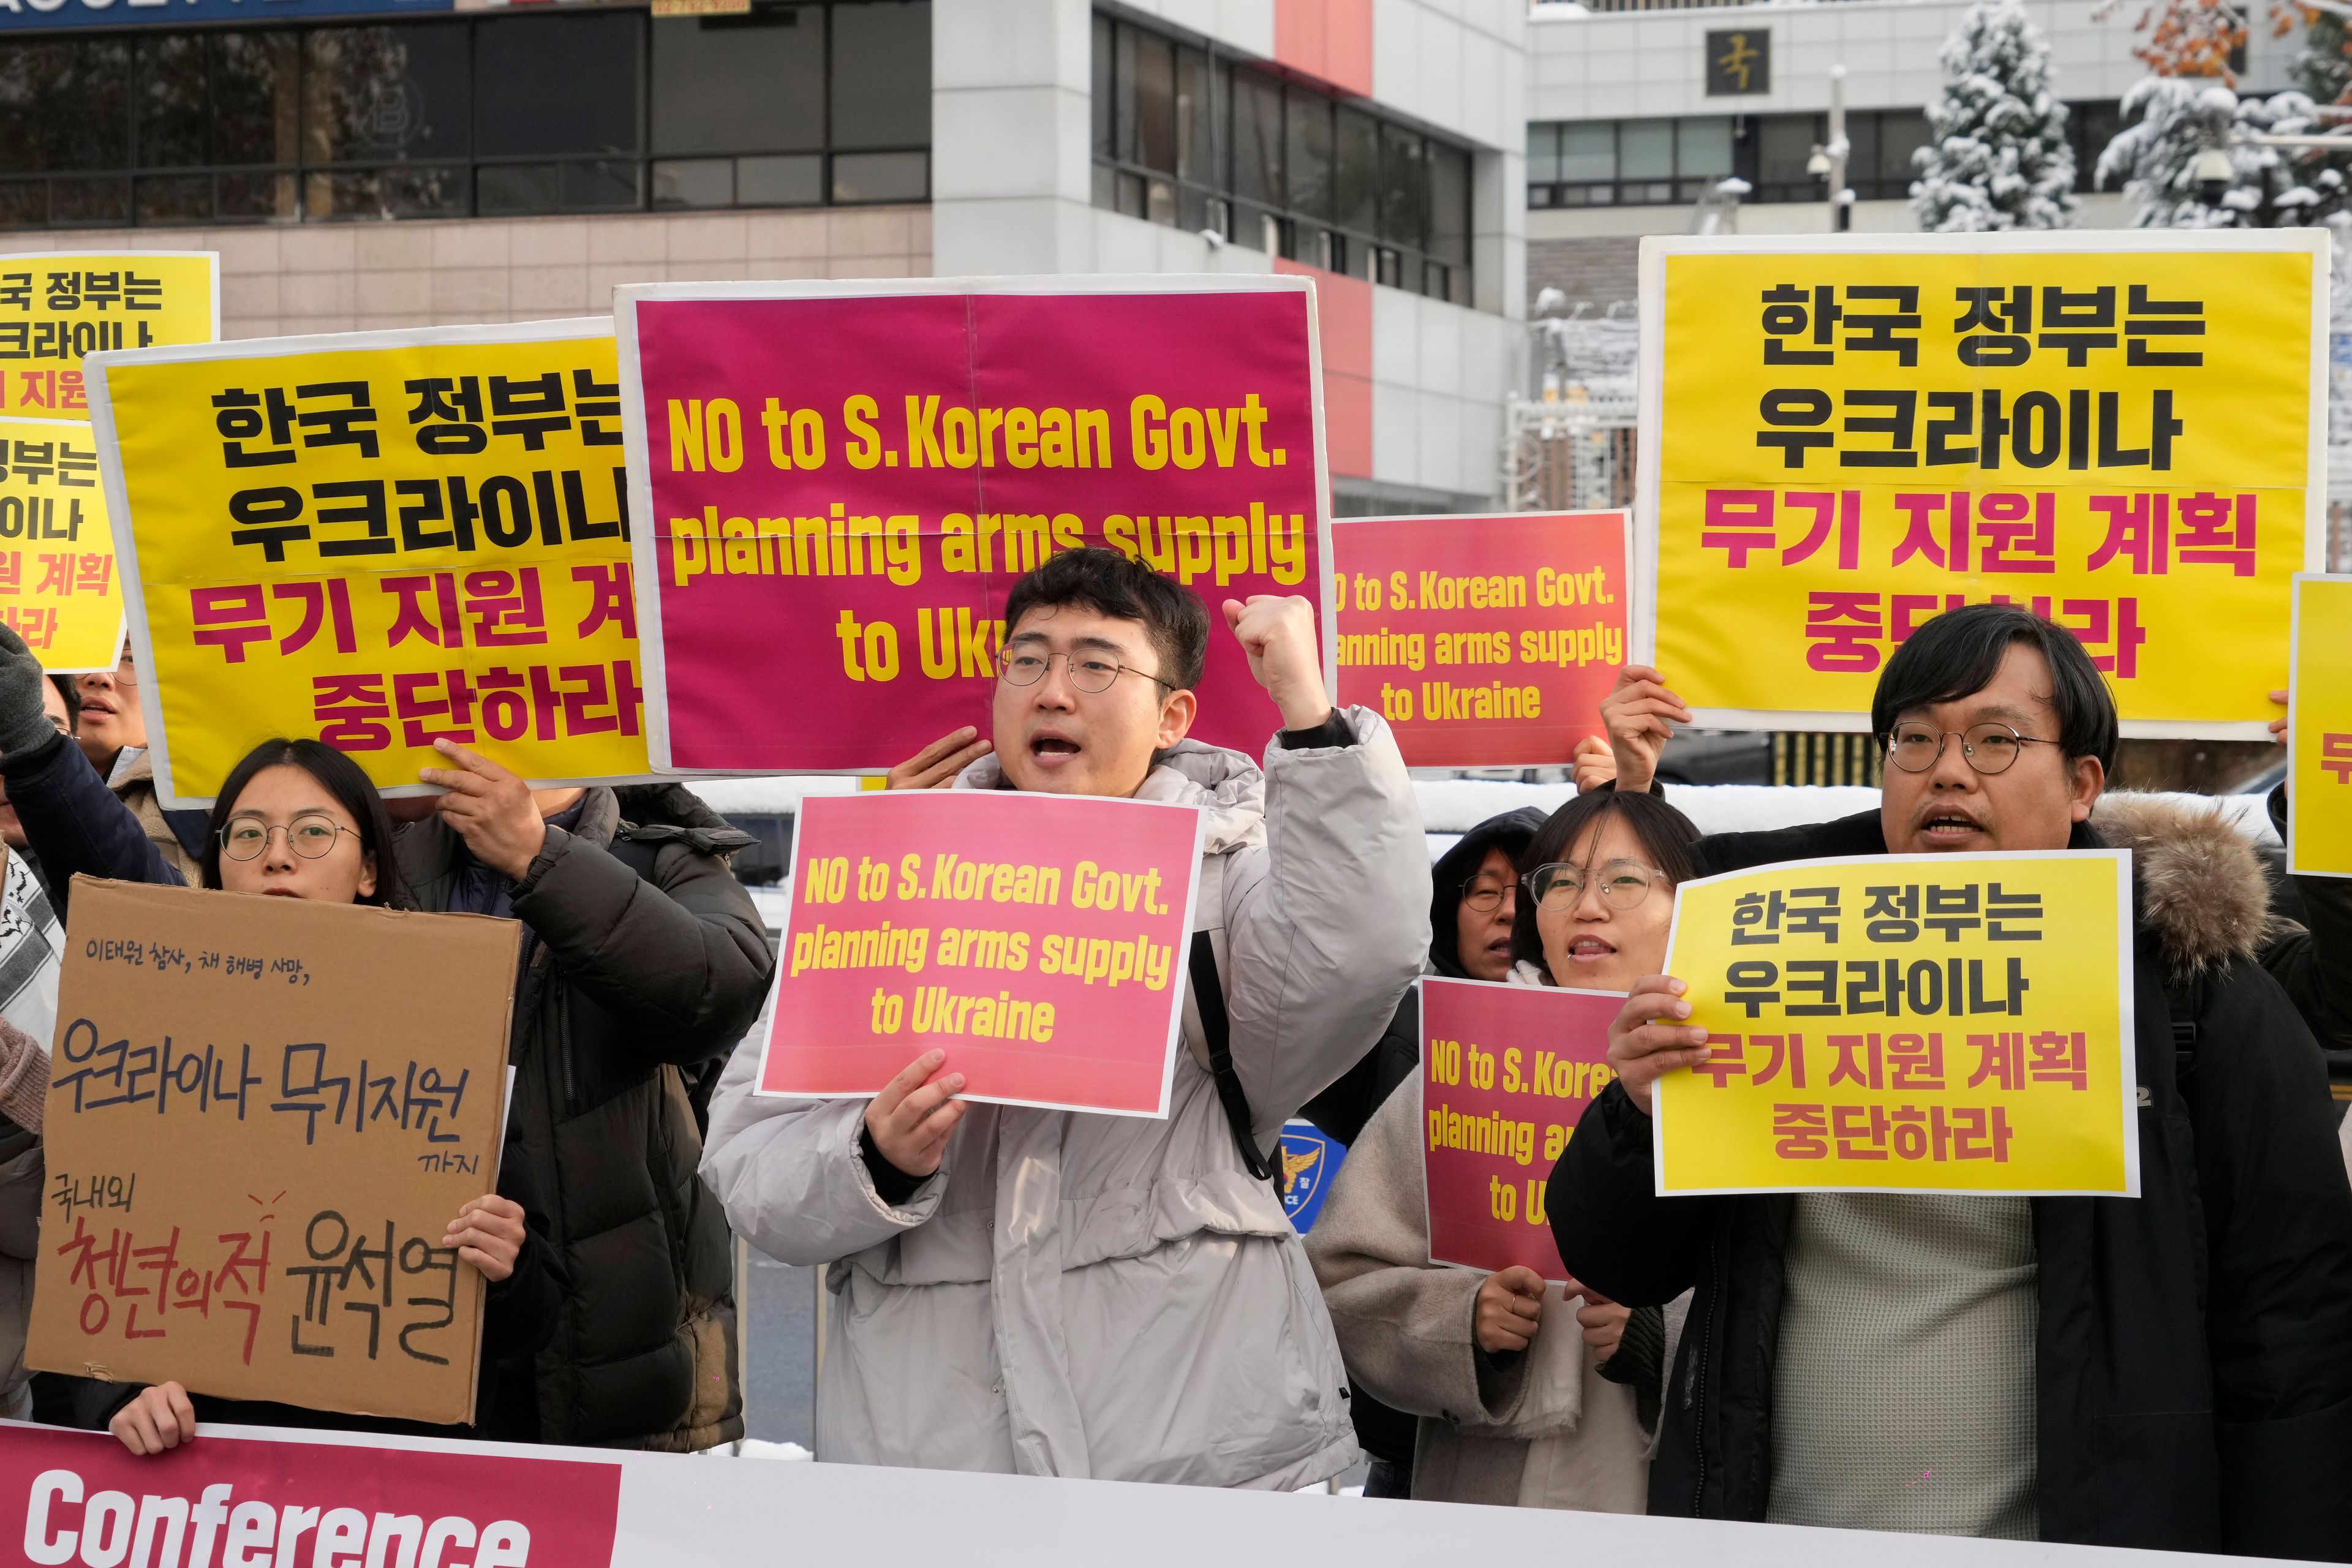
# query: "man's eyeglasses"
(312, 837)
(1090, 672)
(1990, 748)
(1560, 888)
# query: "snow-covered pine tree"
(2170, 121)
(1997, 155)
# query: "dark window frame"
(1217, 202)
(302, 188)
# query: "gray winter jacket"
(1115, 1297)
(1537, 1430)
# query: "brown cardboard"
(240, 1246)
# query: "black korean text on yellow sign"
(1907, 1023)
(56, 308)
(379, 540)
(2118, 431)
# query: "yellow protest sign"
(58, 307)
(378, 539)
(1907, 1023)
(59, 588)
(2319, 730)
(1841, 439)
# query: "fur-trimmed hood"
(2201, 888)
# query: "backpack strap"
(2184, 999)
(1209, 997)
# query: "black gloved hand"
(23, 723)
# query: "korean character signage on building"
(58, 587)
(252, 1161)
(1907, 1023)
(381, 540)
(865, 470)
(1739, 62)
(2122, 432)
(56, 308)
(2319, 730)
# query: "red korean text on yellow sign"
(2319, 785)
(1907, 1023)
(1849, 443)
(381, 545)
(58, 308)
(59, 587)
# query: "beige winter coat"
(1115, 1297)
(1538, 1429)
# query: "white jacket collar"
(1226, 786)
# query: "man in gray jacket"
(1055, 1293)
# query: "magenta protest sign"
(836, 484)
(1039, 940)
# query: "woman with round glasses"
(1527, 1395)
(296, 819)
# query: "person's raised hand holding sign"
(1645, 1042)
(1640, 715)
(1509, 1310)
(936, 764)
(909, 1121)
(502, 819)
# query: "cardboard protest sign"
(59, 306)
(2319, 730)
(59, 590)
(1907, 1023)
(1482, 640)
(378, 539)
(1840, 438)
(253, 1157)
(1505, 1072)
(1040, 940)
(863, 470)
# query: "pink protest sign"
(837, 484)
(1039, 940)
(1506, 1071)
(1484, 641)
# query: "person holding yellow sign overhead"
(2173, 1370)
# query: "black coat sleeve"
(2312, 963)
(521, 1311)
(2278, 1218)
(75, 824)
(1614, 1232)
(683, 958)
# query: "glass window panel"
(1900, 134)
(1153, 94)
(375, 93)
(1257, 138)
(1307, 151)
(1862, 156)
(1404, 187)
(1105, 84)
(695, 183)
(1784, 144)
(1449, 203)
(1588, 151)
(81, 201)
(1646, 149)
(1195, 119)
(784, 182)
(1543, 152)
(253, 198)
(67, 105)
(740, 84)
(255, 115)
(521, 188)
(556, 84)
(24, 204)
(882, 75)
(1703, 147)
(176, 198)
(604, 185)
(172, 116)
(881, 177)
(1357, 190)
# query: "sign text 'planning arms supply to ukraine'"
(2319, 734)
(1482, 640)
(1041, 941)
(252, 1161)
(1907, 1023)
(1505, 1072)
(2121, 432)
(380, 539)
(863, 472)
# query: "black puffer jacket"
(2313, 961)
(2194, 1348)
(635, 988)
